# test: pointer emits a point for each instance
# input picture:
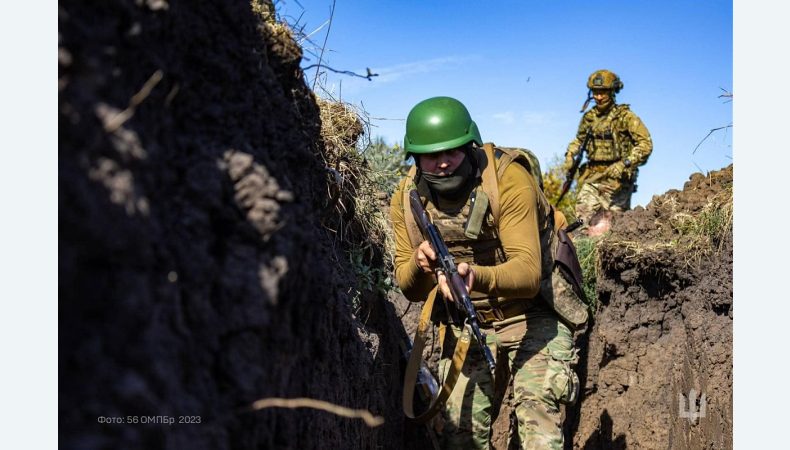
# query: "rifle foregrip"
(457, 286)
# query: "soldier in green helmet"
(503, 247)
(618, 144)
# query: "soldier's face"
(601, 97)
(442, 163)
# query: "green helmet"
(438, 124)
(604, 79)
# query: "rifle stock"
(455, 281)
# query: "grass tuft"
(587, 252)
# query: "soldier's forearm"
(414, 284)
(639, 155)
(513, 279)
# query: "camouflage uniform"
(540, 361)
(617, 135)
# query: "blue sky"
(521, 68)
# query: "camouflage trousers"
(606, 195)
(539, 360)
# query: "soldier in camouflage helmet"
(618, 144)
(504, 263)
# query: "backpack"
(561, 284)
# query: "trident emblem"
(691, 411)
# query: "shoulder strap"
(490, 182)
(415, 359)
(500, 158)
(507, 157)
(620, 110)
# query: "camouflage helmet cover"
(604, 79)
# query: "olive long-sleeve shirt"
(518, 277)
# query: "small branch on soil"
(292, 403)
(119, 119)
(307, 36)
(386, 118)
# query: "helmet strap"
(418, 172)
(587, 102)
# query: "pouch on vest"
(568, 298)
(477, 214)
(566, 260)
(564, 301)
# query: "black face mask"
(452, 186)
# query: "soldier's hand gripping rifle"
(566, 186)
(454, 279)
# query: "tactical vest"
(480, 245)
(610, 140)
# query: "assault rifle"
(454, 279)
(566, 186)
(573, 226)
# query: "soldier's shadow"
(603, 437)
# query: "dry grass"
(342, 124)
(351, 180)
(353, 212)
(716, 218)
(635, 249)
(264, 9)
(708, 229)
(694, 234)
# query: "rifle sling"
(415, 359)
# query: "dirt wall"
(663, 328)
(195, 273)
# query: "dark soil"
(196, 273)
(203, 263)
(663, 328)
